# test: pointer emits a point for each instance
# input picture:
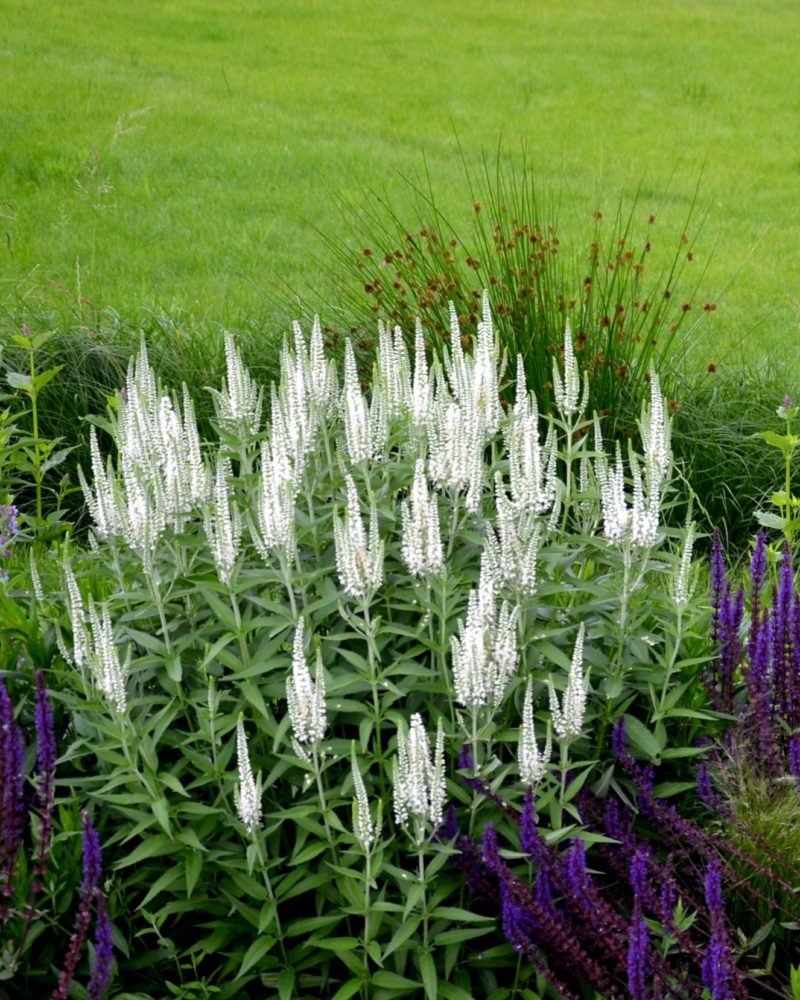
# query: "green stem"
(424, 899)
(270, 894)
(670, 667)
(373, 679)
(367, 875)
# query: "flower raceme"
(532, 764)
(359, 558)
(419, 785)
(306, 698)
(247, 795)
(421, 545)
(568, 717)
(484, 653)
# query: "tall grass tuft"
(629, 302)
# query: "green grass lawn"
(182, 154)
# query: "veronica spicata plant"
(431, 557)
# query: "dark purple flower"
(716, 969)
(491, 857)
(794, 757)
(449, 828)
(465, 760)
(12, 795)
(638, 964)
(103, 951)
(529, 831)
(782, 659)
(639, 868)
(46, 752)
(92, 870)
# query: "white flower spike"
(532, 763)
(247, 794)
(305, 697)
(568, 718)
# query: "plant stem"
(421, 875)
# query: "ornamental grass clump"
(293, 615)
(628, 295)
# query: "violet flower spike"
(92, 870)
(12, 802)
(46, 744)
(103, 951)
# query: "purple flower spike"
(782, 658)
(46, 744)
(491, 857)
(794, 757)
(638, 964)
(12, 796)
(716, 967)
(92, 870)
(639, 865)
(103, 952)
(529, 832)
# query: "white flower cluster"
(465, 411)
(567, 391)
(247, 794)
(484, 653)
(161, 476)
(359, 560)
(421, 545)
(637, 524)
(532, 763)
(222, 522)
(568, 718)
(365, 424)
(273, 525)
(306, 699)
(419, 785)
(531, 464)
(365, 828)
(239, 400)
(680, 582)
(513, 548)
(93, 644)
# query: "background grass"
(164, 155)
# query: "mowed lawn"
(163, 154)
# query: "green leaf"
(402, 934)
(194, 865)
(767, 520)
(785, 443)
(257, 950)
(392, 981)
(286, 984)
(160, 809)
(19, 381)
(427, 967)
(641, 737)
(348, 989)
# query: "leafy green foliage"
(298, 908)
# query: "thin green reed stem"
(424, 898)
